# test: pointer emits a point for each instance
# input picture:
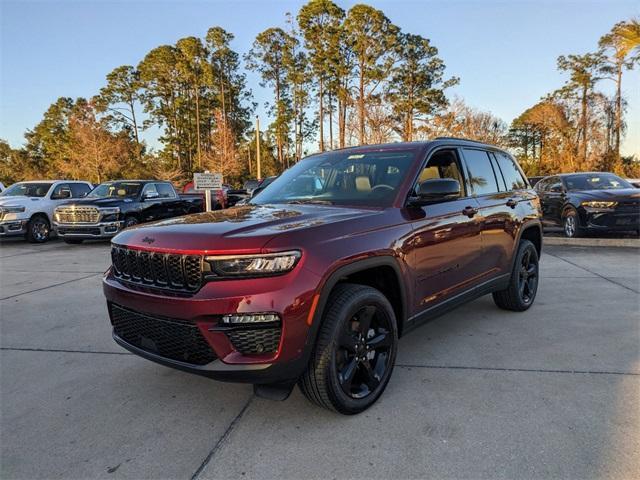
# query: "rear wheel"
(38, 229)
(571, 223)
(355, 352)
(523, 285)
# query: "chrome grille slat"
(169, 271)
(75, 214)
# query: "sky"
(504, 52)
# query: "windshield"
(341, 178)
(116, 189)
(27, 190)
(595, 181)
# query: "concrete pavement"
(478, 393)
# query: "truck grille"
(170, 271)
(75, 214)
(170, 338)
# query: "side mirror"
(436, 190)
(151, 195)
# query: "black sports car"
(582, 202)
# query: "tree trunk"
(342, 112)
(618, 112)
(321, 112)
(361, 106)
(198, 126)
(330, 120)
(135, 130)
(585, 91)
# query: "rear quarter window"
(510, 172)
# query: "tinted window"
(596, 181)
(165, 190)
(510, 172)
(554, 184)
(116, 189)
(482, 178)
(501, 181)
(79, 190)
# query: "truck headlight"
(596, 204)
(15, 209)
(259, 265)
(110, 214)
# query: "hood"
(613, 195)
(99, 202)
(18, 200)
(239, 229)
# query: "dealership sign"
(207, 181)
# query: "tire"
(522, 289)
(347, 372)
(130, 221)
(73, 241)
(571, 223)
(38, 229)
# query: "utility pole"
(258, 171)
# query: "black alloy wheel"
(130, 222)
(355, 350)
(363, 352)
(528, 277)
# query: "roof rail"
(459, 138)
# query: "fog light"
(250, 318)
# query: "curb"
(592, 242)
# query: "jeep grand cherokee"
(314, 280)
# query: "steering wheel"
(382, 185)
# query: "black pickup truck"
(112, 206)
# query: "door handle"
(512, 203)
(469, 211)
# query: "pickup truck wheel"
(130, 221)
(355, 351)
(523, 285)
(38, 229)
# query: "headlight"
(253, 265)
(110, 210)
(16, 209)
(599, 204)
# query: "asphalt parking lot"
(479, 393)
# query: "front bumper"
(610, 219)
(290, 296)
(13, 227)
(88, 230)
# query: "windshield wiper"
(310, 201)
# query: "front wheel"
(38, 229)
(523, 285)
(130, 221)
(355, 351)
(571, 224)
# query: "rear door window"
(510, 172)
(481, 175)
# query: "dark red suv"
(314, 280)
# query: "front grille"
(79, 231)
(248, 341)
(628, 207)
(166, 337)
(170, 271)
(75, 214)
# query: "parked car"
(589, 202)
(313, 282)
(112, 206)
(26, 208)
(634, 181)
(534, 180)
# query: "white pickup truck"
(26, 208)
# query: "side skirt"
(495, 284)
